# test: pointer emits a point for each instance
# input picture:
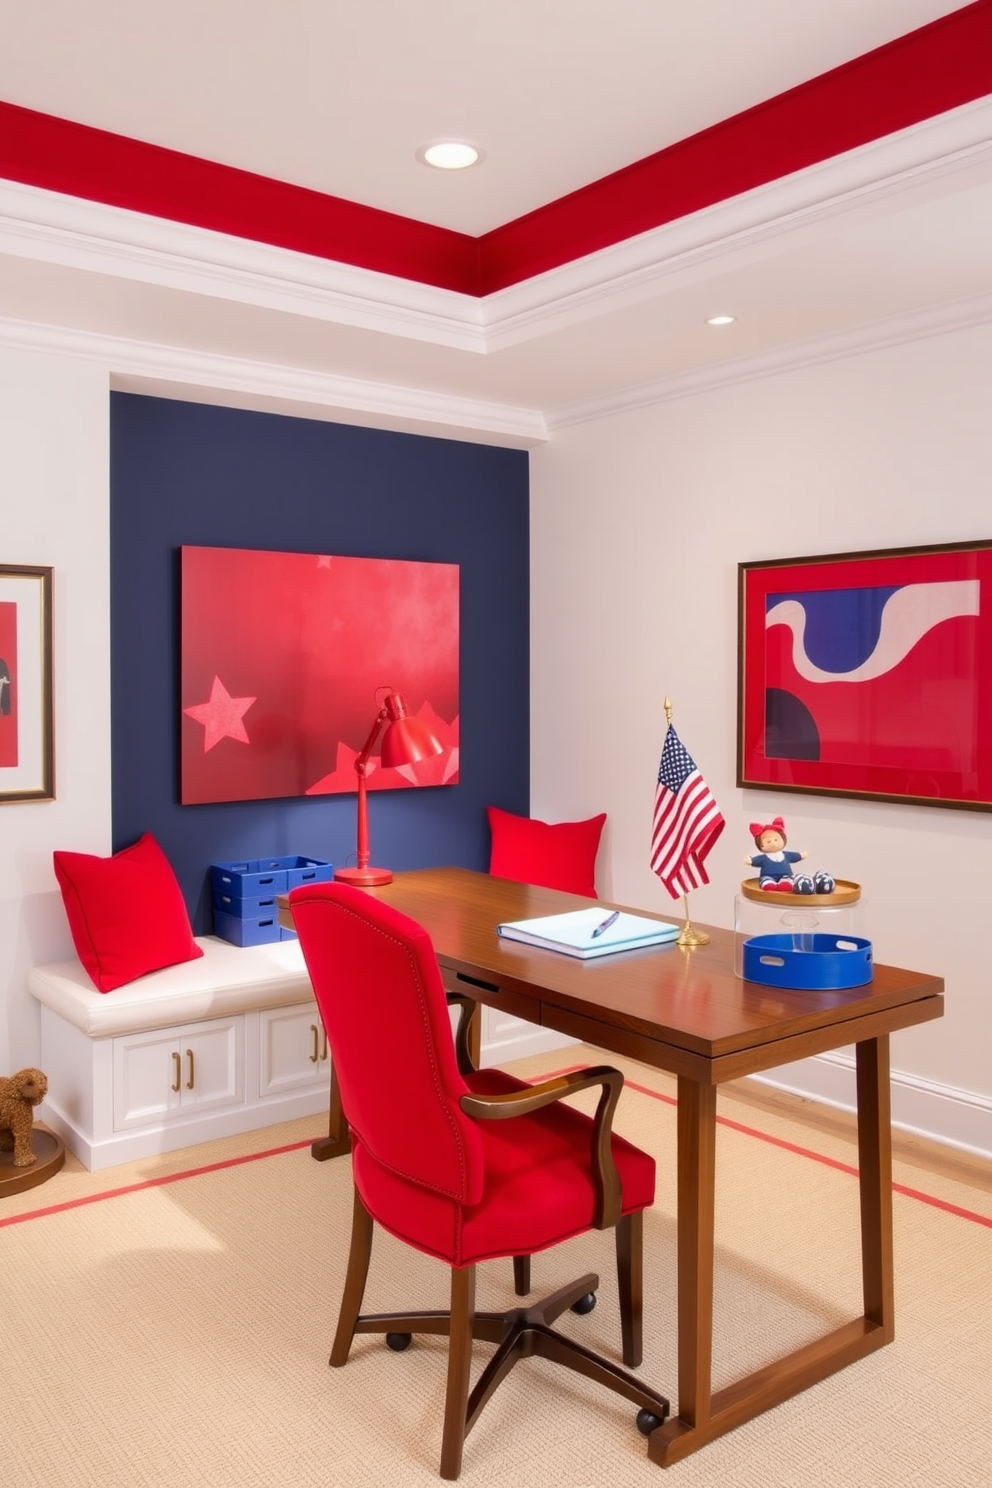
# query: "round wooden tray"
(49, 1153)
(845, 892)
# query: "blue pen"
(610, 920)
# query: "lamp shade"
(406, 739)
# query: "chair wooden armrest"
(609, 1193)
(463, 1031)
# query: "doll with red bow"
(774, 862)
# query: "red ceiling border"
(916, 77)
(936, 68)
(59, 155)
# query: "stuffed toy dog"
(19, 1094)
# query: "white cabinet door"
(170, 1072)
(211, 1056)
(147, 1078)
(292, 1050)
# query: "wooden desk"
(688, 1013)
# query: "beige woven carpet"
(169, 1326)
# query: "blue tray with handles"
(807, 962)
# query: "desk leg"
(338, 1139)
(696, 1191)
(703, 1415)
(875, 1178)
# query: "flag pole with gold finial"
(689, 936)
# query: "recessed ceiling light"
(721, 320)
(449, 155)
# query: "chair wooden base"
(520, 1333)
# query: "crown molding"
(75, 233)
(938, 320)
(84, 235)
(179, 373)
(79, 234)
(920, 156)
(176, 372)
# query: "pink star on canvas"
(222, 716)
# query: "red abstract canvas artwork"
(281, 656)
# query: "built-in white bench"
(216, 1046)
(220, 1045)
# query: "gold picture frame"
(27, 749)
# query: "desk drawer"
(514, 1003)
(615, 1040)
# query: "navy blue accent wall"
(189, 473)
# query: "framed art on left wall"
(27, 751)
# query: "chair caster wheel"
(648, 1422)
(585, 1304)
(398, 1341)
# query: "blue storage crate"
(807, 962)
(243, 931)
(263, 878)
(250, 879)
(307, 870)
(247, 909)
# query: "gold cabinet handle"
(315, 1056)
(179, 1071)
(323, 1048)
(189, 1082)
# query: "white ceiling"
(338, 96)
(894, 240)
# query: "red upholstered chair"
(463, 1165)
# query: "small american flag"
(687, 820)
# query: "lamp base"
(363, 878)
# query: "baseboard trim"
(97, 1154)
(939, 1113)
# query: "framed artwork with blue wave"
(869, 674)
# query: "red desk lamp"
(405, 741)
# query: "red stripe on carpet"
(668, 1100)
(116, 1193)
(819, 1157)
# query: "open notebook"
(572, 933)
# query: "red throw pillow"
(555, 855)
(127, 914)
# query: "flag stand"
(689, 936)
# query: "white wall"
(638, 523)
(54, 487)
